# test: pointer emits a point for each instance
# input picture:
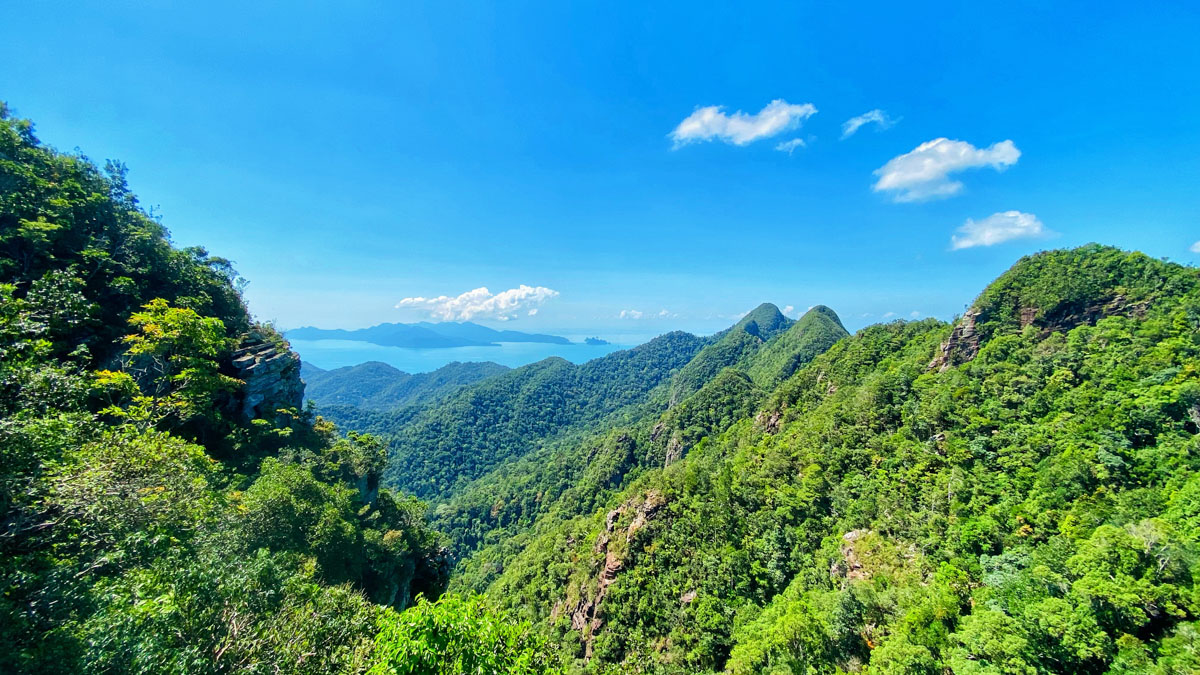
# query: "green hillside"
(730, 348)
(806, 339)
(378, 386)
(165, 504)
(1014, 493)
(490, 519)
(506, 417)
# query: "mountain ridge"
(874, 509)
(375, 385)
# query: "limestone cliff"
(271, 371)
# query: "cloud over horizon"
(876, 116)
(637, 314)
(998, 228)
(480, 303)
(710, 122)
(924, 173)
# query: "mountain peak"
(1059, 289)
(1055, 291)
(764, 321)
(823, 311)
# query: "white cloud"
(889, 315)
(997, 228)
(789, 309)
(729, 317)
(1195, 248)
(875, 116)
(708, 123)
(914, 314)
(482, 304)
(790, 146)
(638, 314)
(924, 172)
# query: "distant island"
(426, 335)
(595, 341)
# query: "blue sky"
(347, 158)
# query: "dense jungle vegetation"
(152, 518)
(1014, 492)
(1017, 493)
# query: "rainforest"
(599, 338)
(1015, 490)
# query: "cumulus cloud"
(482, 304)
(790, 146)
(888, 315)
(925, 172)
(789, 309)
(709, 123)
(876, 116)
(1195, 248)
(998, 228)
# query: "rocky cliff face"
(271, 373)
(961, 346)
(586, 612)
(965, 339)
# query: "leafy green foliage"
(1017, 493)
(171, 373)
(78, 229)
(457, 635)
(490, 520)
(1031, 509)
(262, 613)
(146, 524)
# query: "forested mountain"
(425, 335)
(378, 386)
(1017, 491)
(165, 505)
(438, 450)
(1013, 493)
(578, 466)
(806, 339)
(730, 348)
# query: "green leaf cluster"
(147, 526)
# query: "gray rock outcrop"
(272, 376)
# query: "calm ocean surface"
(329, 354)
